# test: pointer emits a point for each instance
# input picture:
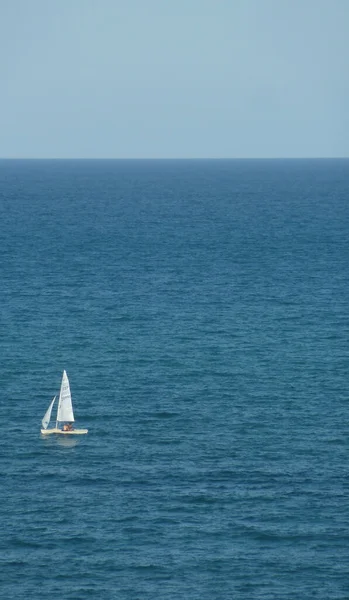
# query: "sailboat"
(64, 412)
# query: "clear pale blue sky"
(174, 78)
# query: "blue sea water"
(201, 310)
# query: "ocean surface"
(201, 310)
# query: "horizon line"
(175, 158)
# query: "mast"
(59, 401)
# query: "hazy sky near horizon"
(174, 78)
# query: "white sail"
(47, 416)
(65, 408)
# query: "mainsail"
(47, 416)
(65, 408)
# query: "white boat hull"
(61, 432)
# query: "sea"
(201, 311)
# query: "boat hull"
(61, 432)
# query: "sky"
(174, 78)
